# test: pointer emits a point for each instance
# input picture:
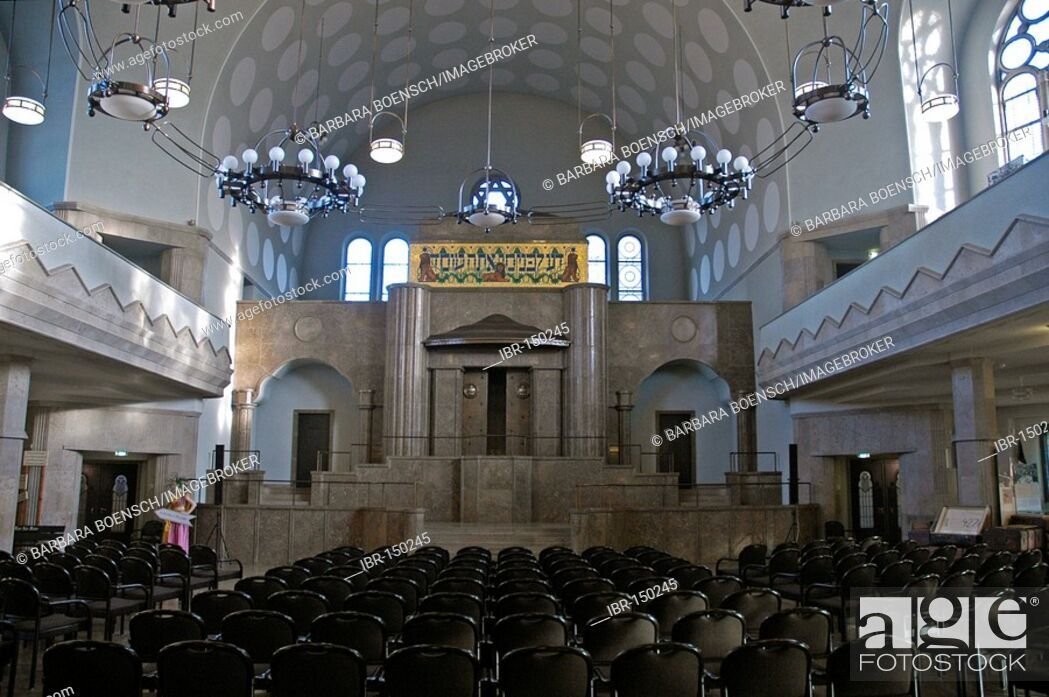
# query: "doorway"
(678, 455)
(874, 485)
(106, 487)
(312, 435)
(497, 411)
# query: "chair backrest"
(315, 565)
(521, 586)
(1033, 576)
(624, 578)
(440, 629)
(92, 669)
(406, 588)
(529, 629)
(19, 598)
(811, 626)
(997, 578)
(135, 569)
(260, 588)
(388, 607)
(716, 633)
(996, 561)
(469, 582)
(921, 586)
(515, 573)
(53, 580)
(689, 575)
(66, 561)
(259, 632)
(174, 561)
(412, 573)
(960, 583)
(1027, 559)
(717, 588)
(753, 555)
(92, 582)
(335, 589)
(773, 668)
(817, 569)
(919, 555)
(213, 606)
(545, 671)
(460, 603)
(9, 568)
(515, 603)
(883, 559)
(594, 605)
(755, 604)
(845, 670)
(301, 606)
(102, 563)
(431, 671)
(862, 576)
(939, 565)
(202, 555)
(292, 575)
(670, 607)
(359, 631)
(897, 574)
(573, 590)
(151, 630)
(605, 639)
(309, 670)
(204, 669)
(667, 670)
(833, 528)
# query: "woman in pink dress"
(178, 533)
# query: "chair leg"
(32, 664)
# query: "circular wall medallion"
(683, 329)
(470, 391)
(308, 328)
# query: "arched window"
(596, 259)
(394, 264)
(1023, 84)
(630, 267)
(358, 282)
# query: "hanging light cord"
(954, 45)
(491, 72)
(914, 46)
(578, 63)
(317, 89)
(407, 62)
(10, 47)
(298, 64)
(50, 46)
(193, 45)
(612, 43)
(375, 50)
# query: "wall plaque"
(499, 264)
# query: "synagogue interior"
(503, 348)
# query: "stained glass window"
(1022, 58)
(394, 264)
(597, 259)
(358, 282)
(630, 264)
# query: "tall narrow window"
(596, 259)
(630, 264)
(1022, 60)
(394, 264)
(358, 283)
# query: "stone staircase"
(284, 494)
(534, 536)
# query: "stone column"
(746, 434)
(975, 429)
(807, 268)
(447, 412)
(34, 463)
(14, 403)
(624, 405)
(586, 381)
(243, 423)
(366, 405)
(407, 389)
(183, 270)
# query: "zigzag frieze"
(105, 299)
(968, 259)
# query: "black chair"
(605, 639)
(206, 560)
(204, 669)
(595, 605)
(315, 565)
(896, 575)
(717, 588)
(260, 588)
(53, 581)
(142, 571)
(522, 586)
(751, 555)
(301, 606)
(107, 599)
(1025, 560)
(8, 655)
(838, 599)
(528, 630)
(92, 669)
(151, 630)
(1033, 576)
(716, 633)
(969, 562)
(809, 625)
(516, 603)
(389, 607)
(577, 588)
(258, 632)
(833, 529)
(361, 632)
(783, 561)
(441, 629)
(818, 568)
(755, 604)
(407, 589)
(688, 575)
(845, 673)
(774, 668)
(670, 607)
(667, 670)
(939, 566)
(34, 618)
(150, 532)
(309, 670)
(186, 576)
(292, 575)
(431, 671)
(546, 671)
(213, 606)
(459, 603)
(9, 568)
(334, 589)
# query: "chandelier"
(144, 93)
(289, 194)
(831, 79)
(493, 198)
(170, 4)
(786, 5)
